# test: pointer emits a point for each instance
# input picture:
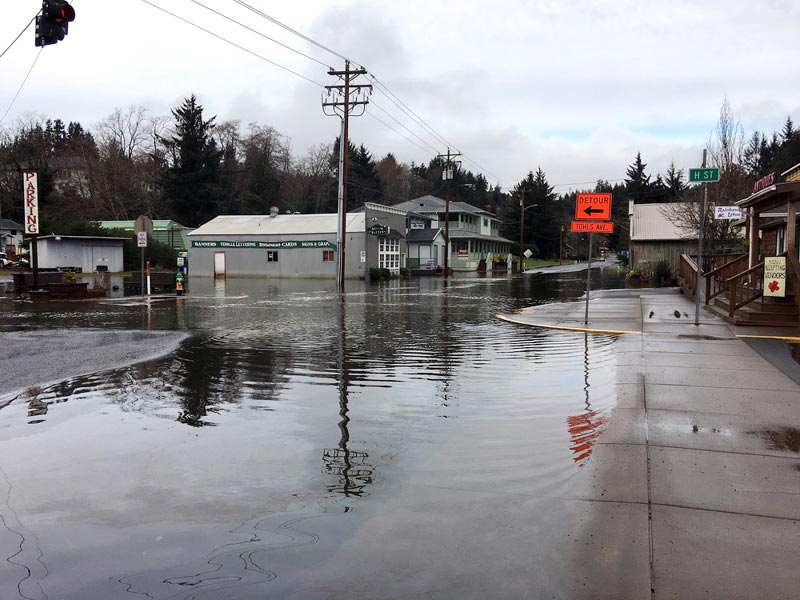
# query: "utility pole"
(561, 245)
(342, 100)
(447, 175)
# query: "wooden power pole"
(447, 175)
(342, 100)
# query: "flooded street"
(399, 443)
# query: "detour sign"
(593, 207)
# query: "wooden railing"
(745, 287)
(717, 279)
(687, 270)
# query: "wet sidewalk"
(704, 439)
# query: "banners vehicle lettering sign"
(775, 276)
(259, 245)
(30, 187)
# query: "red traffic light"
(66, 14)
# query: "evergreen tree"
(674, 183)
(637, 183)
(191, 179)
(543, 215)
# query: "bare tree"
(726, 148)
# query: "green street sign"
(703, 175)
(378, 229)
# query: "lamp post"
(522, 229)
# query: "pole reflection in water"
(586, 427)
(350, 466)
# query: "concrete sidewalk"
(705, 436)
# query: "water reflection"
(585, 427)
(350, 467)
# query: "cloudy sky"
(575, 86)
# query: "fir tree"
(191, 179)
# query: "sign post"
(595, 207)
(702, 175)
(30, 191)
(142, 227)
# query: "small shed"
(80, 253)
(654, 237)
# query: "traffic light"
(53, 24)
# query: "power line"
(380, 108)
(22, 85)
(291, 30)
(380, 86)
(24, 29)
(240, 24)
(400, 133)
(234, 44)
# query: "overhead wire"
(400, 133)
(291, 30)
(234, 44)
(19, 35)
(240, 24)
(22, 85)
(380, 108)
(382, 87)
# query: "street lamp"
(522, 230)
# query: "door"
(219, 264)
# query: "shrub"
(662, 274)
(404, 272)
(380, 274)
(69, 277)
(637, 274)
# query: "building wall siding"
(649, 253)
(292, 262)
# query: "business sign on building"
(30, 186)
(727, 212)
(775, 276)
(259, 245)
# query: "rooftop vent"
(273, 212)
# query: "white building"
(84, 254)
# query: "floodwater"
(398, 443)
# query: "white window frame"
(389, 254)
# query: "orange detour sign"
(593, 207)
(601, 227)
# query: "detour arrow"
(593, 206)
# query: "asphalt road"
(574, 268)
(41, 357)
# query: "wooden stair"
(775, 312)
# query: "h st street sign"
(593, 207)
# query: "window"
(327, 256)
(389, 254)
(272, 256)
(485, 222)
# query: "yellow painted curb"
(784, 338)
(565, 328)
